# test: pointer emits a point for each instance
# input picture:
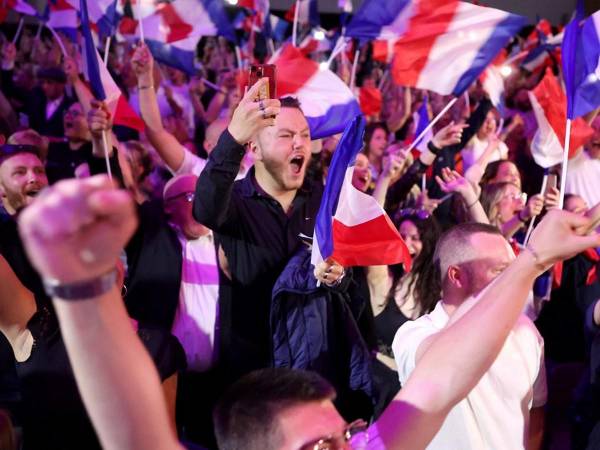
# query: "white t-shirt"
(583, 178)
(495, 414)
(196, 318)
(195, 165)
(475, 148)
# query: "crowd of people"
(174, 304)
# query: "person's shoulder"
(525, 329)
(413, 332)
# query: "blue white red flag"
(492, 81)
(421, 117)
(20, 6)
(441, 45)
(308, 12)
(327, 102)
(581, 63)
(174, 29)
(549, 105)
(279, 27)
(102, 14)
(351, 227)
(62, 16)
(101, 83)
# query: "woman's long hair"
(423, 276)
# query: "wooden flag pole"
(354, 67)
(431, 124)
(532, 222)
(295, 24)
(565, 162)
(19, 29)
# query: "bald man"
(505, 409)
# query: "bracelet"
(473, 204)
(81, 290)
(433, 148)
(536, 258)
(144, 87)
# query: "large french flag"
(492, 81)
(549, 105)
(351, 227)
(328, 104)
(581, 63)
(101, 83)
(441, 45)
(174, 29)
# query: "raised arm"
(212, 204)
(167, 146)
(452, 181)
(73, 234)
(453, 361)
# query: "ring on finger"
(261, 106)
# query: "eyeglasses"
(420, 213)
(521, 196)
(189, 197)
(354, 436)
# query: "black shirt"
(62, 160)
(258, 237)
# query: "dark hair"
(290, 102)
(370, 131)
(247, 414)
(491, 171)
(424, 277)
(9, 150)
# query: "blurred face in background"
(361, 177)
(411, 236)
(75, 124)
(510, 202)
(377, 143)
(507, 172)
(576, 204)
(22, 177)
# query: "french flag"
(549, 105)
(351, 227)
(101, 83)
(61, 16)
(174, 29)
(442, 45)
(421, 118)
(279, 27)
(308, 12)
(102, 14)
(327, 102)
(19, 6)
(581, 63)
(492, 81)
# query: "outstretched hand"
(449, 135)
(251, 116)
(75, 230)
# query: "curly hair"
(424, 276)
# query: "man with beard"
(258, 220)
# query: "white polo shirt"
(495, 414)
(583, 178)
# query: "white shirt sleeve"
(406, 343)
(191, 164)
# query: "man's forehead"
(492, 246)
(21, 159)
(290, 119)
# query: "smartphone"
(551, 183)
(258, 71)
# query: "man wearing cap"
(48, 103)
